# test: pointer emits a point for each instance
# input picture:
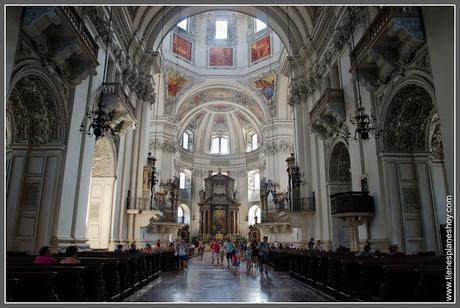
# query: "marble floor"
(206, 282)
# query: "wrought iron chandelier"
(365, 124)
(101, 119)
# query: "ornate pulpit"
(219, 207)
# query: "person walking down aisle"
(229, 250)
(236, 264)
(221, 253)
(182, 253)
(248, 257)
(264, 249)
(201, 249)
(215, 252)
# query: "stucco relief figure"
(270, 202)
(168, 201)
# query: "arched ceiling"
(292, 24)
(219, 100)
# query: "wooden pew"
(68, 282)
(31, 286)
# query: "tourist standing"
(264, 250)
(254, 253)
(201, 249)
(119, 249)
(221, 253)
(236, 264)
(158, 245)
(248, 257)
(311, 244)
(148, 248)
(318, 245)
(229, 250)
(182, 253)
(215, 252)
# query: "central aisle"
(206, 282)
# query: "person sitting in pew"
(133, 249)
(44, 257)
(366, 252)
(119, 249)
(148, 248)
(70, 253)
(394, 251)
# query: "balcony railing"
(80, 29)
(115, 89)
(307, 204)
(329, 95)
(351, 203)
(377, 28)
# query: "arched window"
(187, 140)
(252, 141)
(253, 185)
(182, 180)
(183, 214)
(254, 215)
(219, 145)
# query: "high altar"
(219, 207)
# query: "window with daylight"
(182, 180)
(183, 24)
(219, 145)
(187, 140)
(221, 29)
(253, 143)
(260, 25)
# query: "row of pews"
(351, 278)
(101, 276)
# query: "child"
(235, 263)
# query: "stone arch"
(153, 23)
(407, 120)
(104, 160)
(183, 214)
(38, 114)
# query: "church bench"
(401, 282)
(169, 262)
(68, 283)
(372, 272)
(31, 286)
(281, 260)
(92, 275)
(431, 284)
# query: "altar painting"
(220, 56)
(260, 49)
(218, 221)
(182, 47)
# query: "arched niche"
(183, 214)
(339, 180)
(407, 121)
(37, 123)
(254, 215)
(101, 201)
(414, 177)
